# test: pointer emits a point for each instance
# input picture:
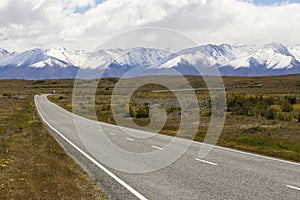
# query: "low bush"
(286, 107)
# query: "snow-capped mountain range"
(58, 63)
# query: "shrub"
(253, 130)
(38, 82)
(143, 111)
(269, 114)
(286, 107)
(251, 106)
(291, 99)
(173, 109)
(132, 111)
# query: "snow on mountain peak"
(135, 57)
(5, 57)
(3, 51)
(49, 62)
(28, 58)
(75, 58)
(295, 51)
(144, 56)
(273, 58)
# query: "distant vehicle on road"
(39, 93)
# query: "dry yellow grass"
(297, 107)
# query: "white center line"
(129, 139)
(293, 187)
(112, 133)
(156, 147)
(207, 162)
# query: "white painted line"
(218, 147)
(128, 187)
(207, 162)
(156, 147)
(293, 187)
(252, 154)
(233, 150)
(129, 139)
(113, 134)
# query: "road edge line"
(128, 187)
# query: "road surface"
(223, 174)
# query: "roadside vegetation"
(32, 164)
(263, 113)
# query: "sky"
(85, 24)
(270, 2)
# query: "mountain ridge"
(230, 60)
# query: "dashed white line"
(207, 162)
(113, 133)
(129, 139)
(156, 147)
(249, 154)
(293, 187)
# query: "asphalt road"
(223, 174)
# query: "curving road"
(223, 174)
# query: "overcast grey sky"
(84, 24)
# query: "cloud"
(27, 24)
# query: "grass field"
(32, 164)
